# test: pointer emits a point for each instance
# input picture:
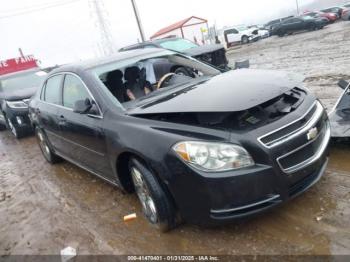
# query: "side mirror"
(82, 106)
(343, 84)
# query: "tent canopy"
(190, 21)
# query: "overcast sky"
(67, 30)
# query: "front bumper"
(20, 119)
(212, 199)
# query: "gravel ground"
(45, 208)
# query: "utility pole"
(138, 20)
(296, 1)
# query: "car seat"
(115, 85)
(132, 81)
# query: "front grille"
(302, 142)
(306, 151)
(278, 135)
(268, 201)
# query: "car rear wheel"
(245, 40)
(156, 205)
(45, 148)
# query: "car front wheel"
(281, 33)
(18, 133)
(156, 205)
(45, 148)
(313, 27)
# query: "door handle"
(62, 120)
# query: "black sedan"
(214, 54)
(205, 149)
(296, 24)
(15, 91)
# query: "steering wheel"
(164, 80)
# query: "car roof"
(328, 8)
(87, 64)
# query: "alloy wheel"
(43, 145)
(12, 127)
(144, 195)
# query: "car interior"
(136, 80)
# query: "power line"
(100, 16)
(29, 11)
(26, 8)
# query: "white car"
(239, 34)
(260, 31)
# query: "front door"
(82, 133)
(47, 110)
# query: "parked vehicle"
(340, 115)
(239, 35)
(296, 24)
(335, 10)
(346, 12)
(270, 25)
(209, 148)
(15, 91)
(260, 31)
(331, 17)
(214, 54)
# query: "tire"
(45, 148)
(18, 133)
(156, 205)
(2, 127)
(313, 27)
(281, 33)
(245, 40)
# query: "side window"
(73, 91)
(52, 92)
(231, 31)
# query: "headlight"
(213, 157)
(17, 104)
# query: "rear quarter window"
(52, 90)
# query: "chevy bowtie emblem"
(312, 134)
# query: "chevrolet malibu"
(206, 148)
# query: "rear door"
(47, 110)
(82, 133)
(291, 24)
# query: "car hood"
(228, 92)
(18, 94)
(204, 49)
